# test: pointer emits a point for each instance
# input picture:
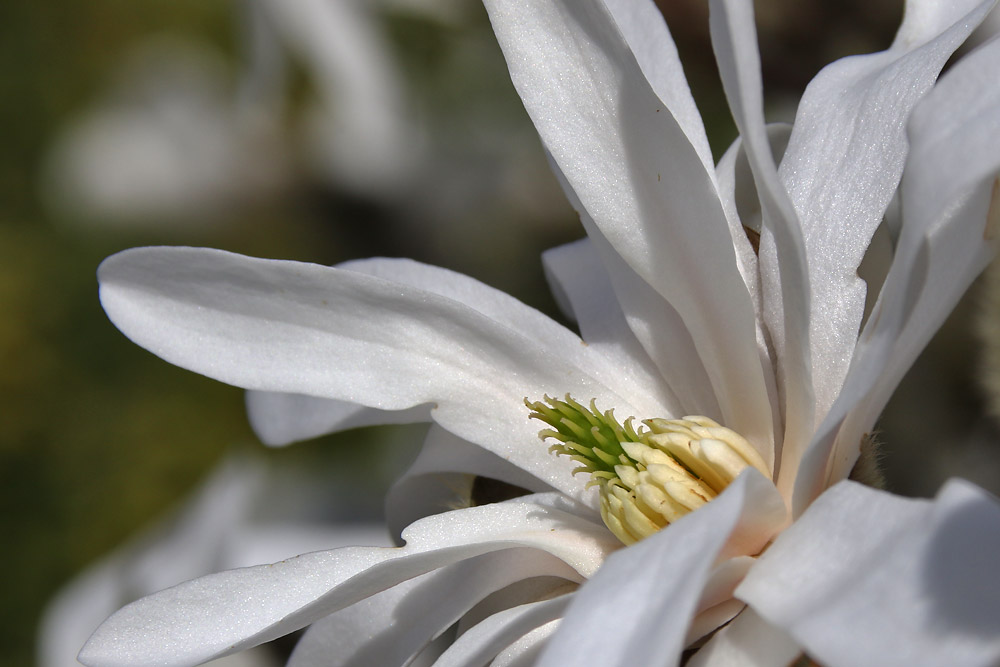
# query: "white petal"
(717, 606)
(333, 333)
(639, 179)
(442, 474)
(486, 639)
(578, 277)
(269, 543)
(954, 135)
(654, 587)
(525, 651)
(646, 33)
(784, 275)
(864, 577)
(391, 627)
(947, 238)
(844, 161)
(742, 206)
(656, 325)
(194, 543)
(280, 418)
(230, 611)
(749, 641)
(602, 361)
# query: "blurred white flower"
(726, 291)
(219, 527)
(178, 139)
(175, 140)
(359, 132)
(167, 144)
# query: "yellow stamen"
(652, 476)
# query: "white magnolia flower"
(726, 291)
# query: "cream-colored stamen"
(648, 477)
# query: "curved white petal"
(391, 627)
(525, 651)
(950, 212)
(646, 33)
(739, 201)
(578, 277)
(196, 542)
(604, 361)
(657, 327)
(864, 577)
(784, 274)
(717, 605)
(742, 206)
(334, 333)
(749, 641)
(226, 612)
(489, 637)
(280, 418)
(844, 161)
(641, 182)
(442, 474)
(655, 586)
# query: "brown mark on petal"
(754, 238)
(804, 661)
(867, 470)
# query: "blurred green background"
(98, 436)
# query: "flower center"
(648, 477)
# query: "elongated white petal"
(230, 611)
(489, 637)
(655, 324)
(333, 333)
(442, 474)
(391, 627)
(749, 641)
(910, 582)
(950, 212)
(738, 195)
(646, 33)
(579, 278)
(717, 606)
(742, 206)
(525, 651)
(654, 587)
(784, 274)
(280, 418)
(640, 180)
(844, 161)
(197, 541)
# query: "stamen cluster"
(651, 476)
